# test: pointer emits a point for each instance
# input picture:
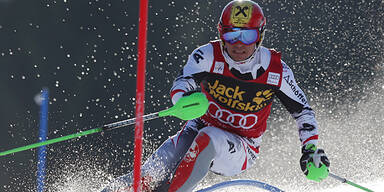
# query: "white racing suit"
(226, 139)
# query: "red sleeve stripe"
(246, 158)
(255, 149)
(311, 138)
(176, 91)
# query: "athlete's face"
(239, 51)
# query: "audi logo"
(226, 117)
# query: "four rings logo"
(235, 120)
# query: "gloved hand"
(188, 107)
(314, 163)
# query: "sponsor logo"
(198, 56)
(273, 78)
(262, 97)
(285, 67)
(295, 90)
(235, 120)
(234, 97)
(231, 147)
(192, 152)
(241, 13)
(219, 67)
(306, 127)
(251, 141)
(251, 153)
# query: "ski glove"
(314, 163)
(188, 107)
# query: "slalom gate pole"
(343, 180)
(140, 90)
(42, 152)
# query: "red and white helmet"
(243, 14)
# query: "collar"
(250, 65)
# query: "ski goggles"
(246, 36)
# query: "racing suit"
(226, 139)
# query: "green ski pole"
(79, 134)
(187, 108)
(343, 180)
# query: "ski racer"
(240, 79)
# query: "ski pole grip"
(188, 107)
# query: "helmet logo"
(241, 10)
(241, 14)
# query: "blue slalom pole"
(42, 137)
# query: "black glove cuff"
(190, 92)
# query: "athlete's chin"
(239, 57)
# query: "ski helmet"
(243, 14)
